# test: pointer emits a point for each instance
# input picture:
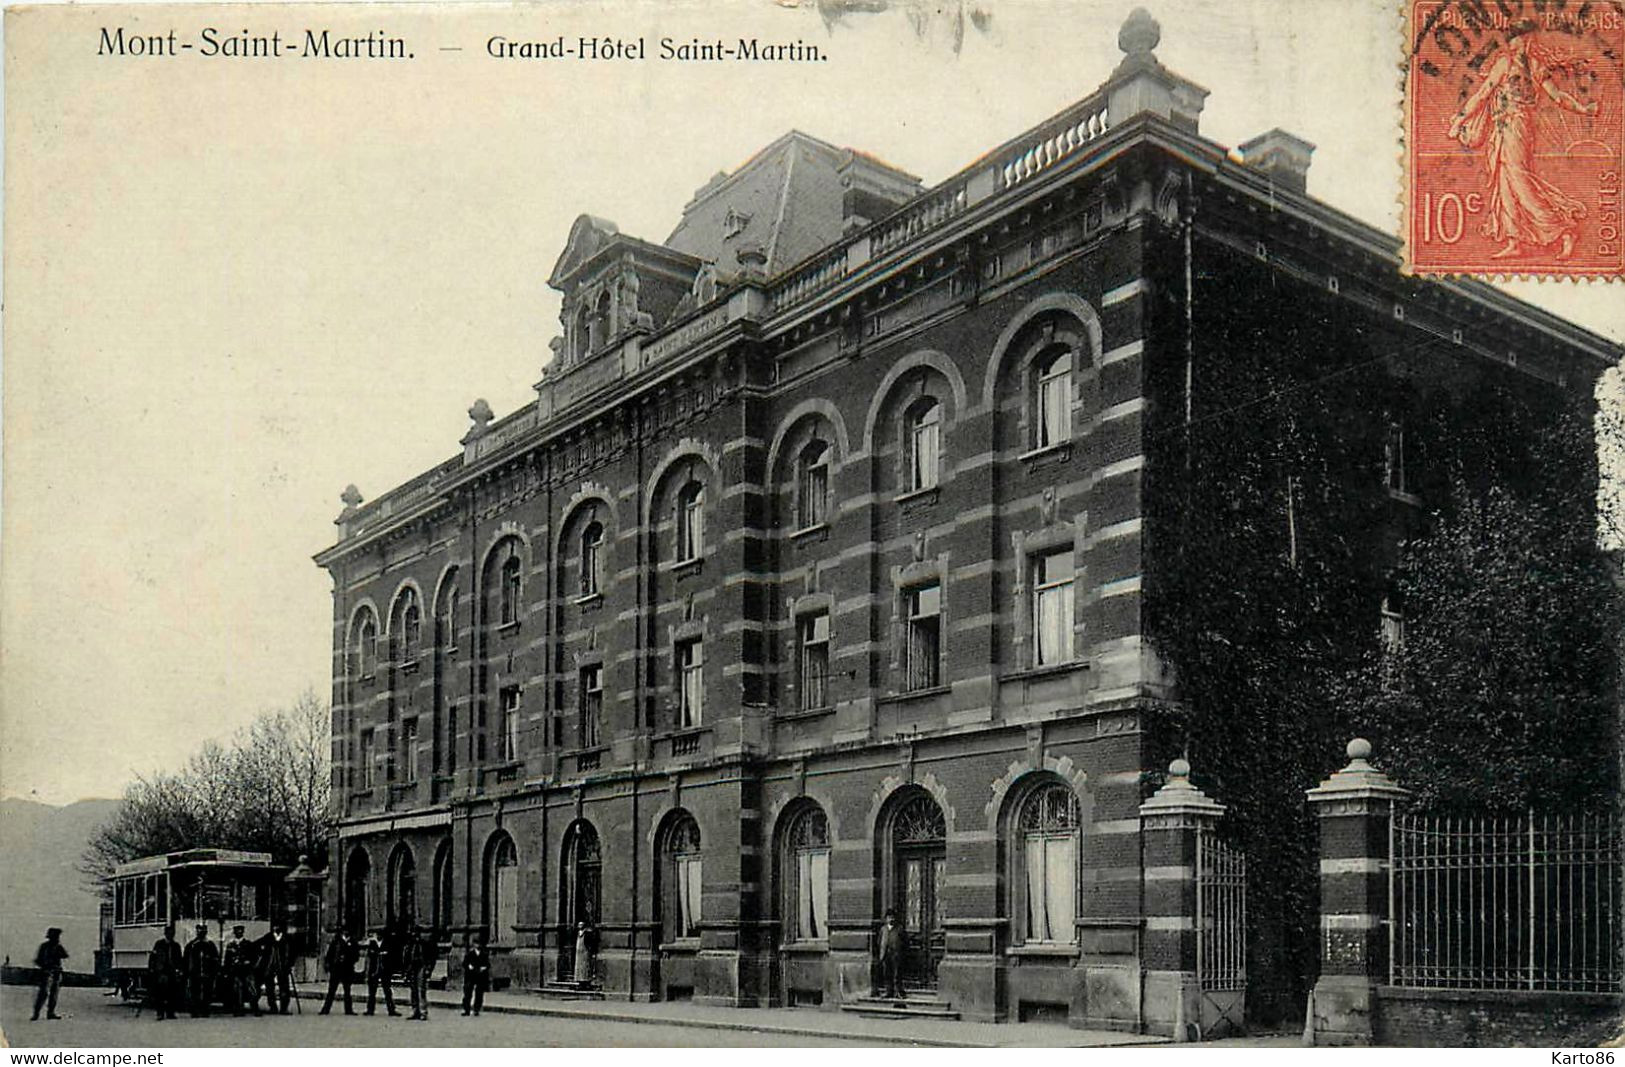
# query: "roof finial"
(1140, 33)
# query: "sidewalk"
(804, 1022)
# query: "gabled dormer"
(614, 286)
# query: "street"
(94, 1020)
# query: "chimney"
(1283, 158)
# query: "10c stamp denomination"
(1514, 137)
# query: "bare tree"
(267, 791)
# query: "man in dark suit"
(165, 965)
(421, 951)
(476, 973)
(275, 956)
(377, 961)
(202, 959)
(341, 956)
(891, 957)
(238, 963)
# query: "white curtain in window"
(1060, 867)
(1037, 913)
(818, 897)
(688, 892)
(506, 914)
(1055, 624)
(925, 455)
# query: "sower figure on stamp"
(891, 957)
(202, 971)
(165, 965)
(1525, 210)
(476, 973)
(341, 956)
(376, 961)
(275, 957)
(48, 959)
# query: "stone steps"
(916, 1005)
(559, 990)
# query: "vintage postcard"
(827, 523)
(1515, 139)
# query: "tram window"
(163, 897)
(262, 901)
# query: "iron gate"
(1221, 915)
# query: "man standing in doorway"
(891, 957)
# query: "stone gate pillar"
(1170, 823)
(1354, 806)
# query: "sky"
(234, 286)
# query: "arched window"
(600, 320)
(408, 625)
(583, 333)
(690, 517)
(512, 588)
(445, 619)
(923, 443)
(806, 876)
(812, 485)
(592, 543)
(442, 886)
(681, 878)
(1052, 424)
(1047, 839)
(502, 891)
(365, 651)
(403, 887)
(356, 874)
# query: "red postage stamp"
(1514, 137)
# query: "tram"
(217, 886)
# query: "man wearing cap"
(202, 971)
(274, 954)
(238, 962)
(164, 969)
(476, 973)
(48, 960)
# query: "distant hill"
(40, 884)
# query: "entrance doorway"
(919, 850)
(581, 887)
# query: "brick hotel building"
(819, 580)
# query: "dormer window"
(600, 321)
(583, 334)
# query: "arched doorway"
(441, 919)
(501, 889)
(403, 888)
(580, 889)
(916, 839)
(356, 874)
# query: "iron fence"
(1514, 902)
(1221, 915)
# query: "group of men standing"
(200, 973)
(416, 948)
